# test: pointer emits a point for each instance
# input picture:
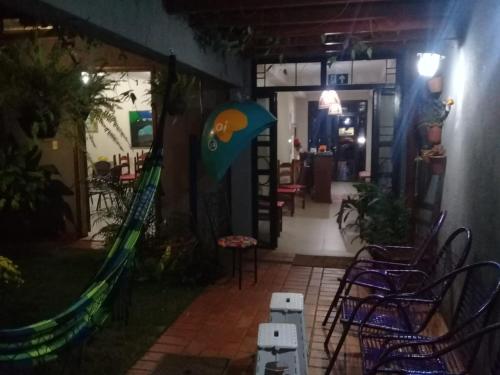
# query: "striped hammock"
(45, 340)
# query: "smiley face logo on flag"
(228, 131)
(228, 122)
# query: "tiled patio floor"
(223, 321)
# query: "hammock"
(43, 341)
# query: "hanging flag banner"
(228, 131)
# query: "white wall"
(286, 114)
(302, 120)
(99, 145)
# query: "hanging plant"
(224, 40)
(183, 90)
(42, 87)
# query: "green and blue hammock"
(44, 341)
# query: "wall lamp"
(428, 63)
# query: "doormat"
(188, 365)
(321, 261)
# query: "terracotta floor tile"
(223, 321)
(134, 371)
(173, 340)
(195, 348)
(165, 348)
(152, 356)
(145, 365)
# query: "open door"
(264, 165)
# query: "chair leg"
(335, 300)
(332, 328)
(337, 350)
(240, 254)
(255, 264)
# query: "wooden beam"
(340, 40)
(349, 28)
(332, 14)
(198, 6)
(388, 48)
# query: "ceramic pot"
(434, 134)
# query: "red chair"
(124, 162)
(296, 184)
(139, 160)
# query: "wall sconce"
(428, 63)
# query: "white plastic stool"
(289, 308)
(277, 350)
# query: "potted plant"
(432, 115)
(380, 216)
(31, 196)
(42, 88)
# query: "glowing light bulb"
(428, 63)
(85, 78)
(361, 140)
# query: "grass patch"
(54, 278)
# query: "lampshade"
(329, 98)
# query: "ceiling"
(304, 28)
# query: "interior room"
(118, 159)
(344, 142)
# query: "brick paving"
(223, 321)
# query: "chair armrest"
(393, 251)
(410, 270)
(377, 273)
(400, 248)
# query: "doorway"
(303, 131)
(115, 162)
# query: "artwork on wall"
(141, 128)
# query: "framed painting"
(141, 128)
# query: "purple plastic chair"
(390, 282)
(411, 312)
(453, 353)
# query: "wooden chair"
(297, 181)
(123, 161)
(285, 174)
(139, 160)
(217, 209)
(97, 185)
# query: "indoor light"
(327, 98)
(330, 99)
(85, 76)
(347, 121)
(361, 140)
(428, 63)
